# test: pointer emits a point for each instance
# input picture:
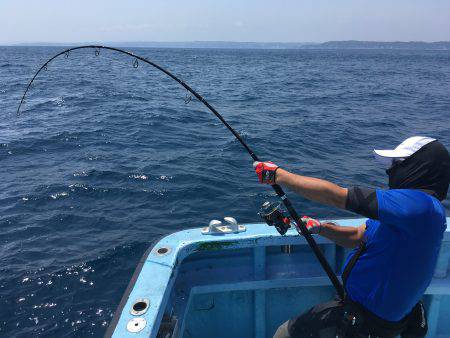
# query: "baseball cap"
(405, 149)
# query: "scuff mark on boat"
(214, 246)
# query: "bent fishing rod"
(298, 223)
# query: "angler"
(395, 251)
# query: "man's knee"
(282, 331)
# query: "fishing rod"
(299, 225)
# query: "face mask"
(427, 169)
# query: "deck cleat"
(216, 227)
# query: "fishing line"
(299, 224)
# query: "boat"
(230, 280)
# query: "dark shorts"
(323, 320)
(319, 321)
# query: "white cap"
(402, 151)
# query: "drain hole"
(162, 251)
(139, 306)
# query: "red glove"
(266, 171)
(313, 225)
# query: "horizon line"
(43, 43)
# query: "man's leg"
(319, 321)
(283, 331)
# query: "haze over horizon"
(250, 21)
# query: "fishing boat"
(231, 280)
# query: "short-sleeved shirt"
(402, 247)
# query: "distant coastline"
(350, 44)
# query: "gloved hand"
(266, 171)
(313, 225)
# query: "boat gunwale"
(123, 301)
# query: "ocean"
(105, 158)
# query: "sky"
(223, 20)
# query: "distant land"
(350, 44)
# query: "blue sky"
(223, 20)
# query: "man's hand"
(266, 171)
(313, 225)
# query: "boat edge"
(123, 301)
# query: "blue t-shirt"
(402, 248)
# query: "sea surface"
(105, 158)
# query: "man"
(395, 251)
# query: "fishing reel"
(272, 214)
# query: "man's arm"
(324, 192)
(348, 237)
(313, 189)
(360, 200)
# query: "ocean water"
(105, 158)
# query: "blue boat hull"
(242, 285)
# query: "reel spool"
(273, 215)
